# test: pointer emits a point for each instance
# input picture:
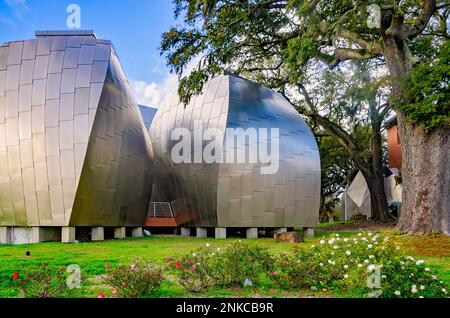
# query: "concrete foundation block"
(185, 231)
(202, 232)
(220, 233)
(137, 232)
(281, 230)
(252, 233)
(5, 235)
(308, 232)
(67, 234)
(97, 234)
(120, 232)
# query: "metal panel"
(83, 78)
(15, 53)
(66, 107)
(12, 77)
(86, 54)
(29, 50)
(71, 56)
(56, 62)
(12, 104)
(26, 72)
(41, 67)
(53, 86)
(39, 88)
(25, 94)
(68, 81)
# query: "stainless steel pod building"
(227, 193)
(74, 150)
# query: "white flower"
(348, 253)
(410, 258)
(332, 253)
(248, 282)
(383, 276)
(386, 239)
(213, 254)
(369, 246)
(218, 249)
(312, 246)
(414, 289)
(322, 242)
(313, 288)
(397, 248)
(370, 234)
(320, 264)
(299, 261)
(331, 241)
(366, 261)
(412, 274)
(324, 289)
(346, 240)
(371, 268)
(335, 247)
(208, 245)
(433, 277)
(337, 234)
(420, 262)
(194, 255)
(422, 287)
(331, 262)
(420, 296)
(345, 266)
(402, 263)
(427, 269)
(371, 256)
(346, 276)
(359, 265)
(397, 293)
(383, 247)
(444, 290)
(359, 234)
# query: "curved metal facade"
(237, 194)
(74, 150)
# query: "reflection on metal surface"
(74, 150)
(238, 195)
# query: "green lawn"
(92, 257)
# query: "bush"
(236, 264)
(134, 281)
(42, 282)
(368, 264)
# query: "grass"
(92, 257)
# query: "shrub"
(229, 266)
(368, 264)
(42, 282)
(132, 281)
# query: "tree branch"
(428, 9)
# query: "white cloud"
(153, 93)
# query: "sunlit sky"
(134, 26)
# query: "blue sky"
(134, 26)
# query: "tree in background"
(283, 43)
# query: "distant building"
(394, 144)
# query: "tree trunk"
(425, 157)
(425, 179)
(378, 201)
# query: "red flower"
(169, 259)
(194, 267)
(124, 284)
(15, 276)
(177, 264)
(101, 295)
(275, 273)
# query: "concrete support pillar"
(35, 234)
(67, 234)
(120, 232)
(202, 232)
(98, 234)
(281, 230)
(137, 232)
(252, 233)
(185, 231)
(5, 235)
(308, 232)
(221, 233)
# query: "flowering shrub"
(231, 265)
(368, 263)
(42, 282)
(132, 281)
